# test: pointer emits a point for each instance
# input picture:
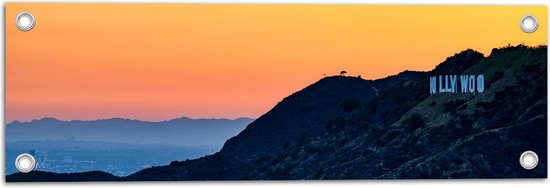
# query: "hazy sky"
(161, 61)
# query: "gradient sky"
(162, 61)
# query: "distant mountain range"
(349, 128)
(180, 131)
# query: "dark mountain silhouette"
(49, 176)
(349, 128)
(180, 131)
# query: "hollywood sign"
(472, 84)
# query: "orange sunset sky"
(162, 61)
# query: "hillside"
(48, 176)
(350, 128)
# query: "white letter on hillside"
(464, 83)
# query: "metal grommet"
(25, 163)
(529, 160)
(529, 23)
(25, 21)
